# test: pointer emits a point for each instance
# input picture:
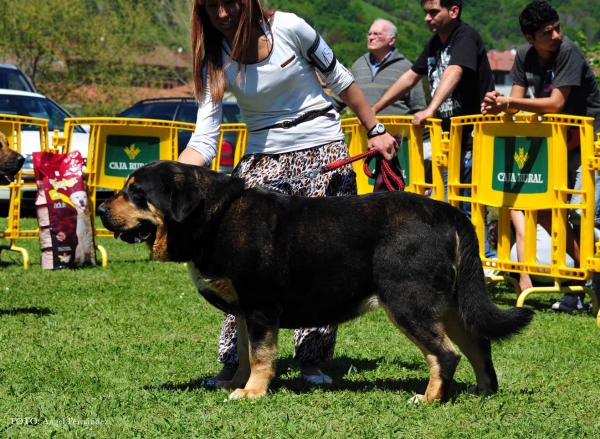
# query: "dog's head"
(169, 205)
(79, 199)
(10, 162)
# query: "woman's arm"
(355, 99)
(191, 157)
(203, 145)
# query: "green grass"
(125, 347)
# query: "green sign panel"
(520, 165)
(125, 154)
(402, 159)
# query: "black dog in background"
(277, 261)
(11, 161)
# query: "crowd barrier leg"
(557, 288)
(103, 254)
(491, 280)
(24, 254)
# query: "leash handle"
(392, 181)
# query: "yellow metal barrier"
(410, 155)
(12, 126)
(118, 146)
(241, 139)
(520, 162)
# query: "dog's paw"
(227, 386)
(475, 390)
(247, 393)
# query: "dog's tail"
(475, 305)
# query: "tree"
(69, 48)
(591, 52)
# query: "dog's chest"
(219, 291)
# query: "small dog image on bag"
(64, 218)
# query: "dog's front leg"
(242, 373)
(261, 348)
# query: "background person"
(268, 59)
(543, 253)
(456, 64)
(560, 80)
(377, 70)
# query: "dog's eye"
(136, 195)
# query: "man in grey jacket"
(379, 68)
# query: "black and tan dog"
(10, 162)
(278, 261)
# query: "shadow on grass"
(31, 310)
(537, 304)
(340, 379)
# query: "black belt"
(309, 115)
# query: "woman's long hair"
(207, 49)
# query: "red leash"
(393, 180)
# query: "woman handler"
(269, 60)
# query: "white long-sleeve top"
(281, 87)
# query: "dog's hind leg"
(262, 353)
(478, 351)
(424, 330)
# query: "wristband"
(507, 103)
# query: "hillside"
(119, 45)
(343, 23)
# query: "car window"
(44, 109)
(187, 113)
(161, 111)
(231, 114)
(136, 111)
(15, 80)
(36, 107)
(6, 106)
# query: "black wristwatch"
(377, 130)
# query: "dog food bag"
(64, 219)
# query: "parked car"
(13, 78)
(23, 103)
(185, 109)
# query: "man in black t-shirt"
(455, 61)
(556, 73)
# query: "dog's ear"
(185, 198)
(194, 187)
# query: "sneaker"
(569, 303)
(318, 380)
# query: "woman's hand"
(385, 144)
